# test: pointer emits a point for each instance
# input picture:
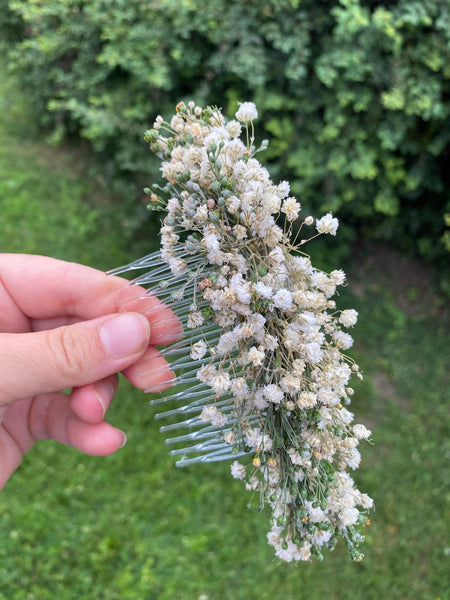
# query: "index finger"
(48, 288)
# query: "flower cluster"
(264, 356)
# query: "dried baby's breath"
(263, 363)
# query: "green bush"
(354, 94)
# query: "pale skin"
(64, 326)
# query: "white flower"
(295, 457)
(366, 501)
(361, 432)
(315, 513)
(273, 393)
(338, 276)
(301, 264)
(348, 317)
(304, 552)
(351, 458)
(313, 352)
(198, 350)
(201, 217)
(229, 437)
(342, 340)
(346, 416)
(321, 537)
(282, 299)
(213, 414)
(239, 387)
(259, 399)
(232, 203)
(177, 265)
(195, 319)
(173, 206)
(252, 484)
(206, 373)
(240, 232)
(246, 112)
(269, 342)
(349, 443)
(298, 367)
(324, 283)
(263, 290)
(237, 470)
(290, 208)
(273, 236)
(221, 383)
(211, 242)
(306, 399)
(271, 202)
(290, 384)
(234, 129)
(349, 516)
(276, 256)
(283, 189)
(327, 224)
(328, 396)
(241, 287)
(217, 135)
(255, 356)
(227, 342)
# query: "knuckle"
(69, 354)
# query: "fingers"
(12, 319)
(90, 402)
(44, 287)
(10, 456)
(70, 356)
(151, 373)
(165, 325)
(75, 419)
(51, 417)
(49, 292)
(98, 439)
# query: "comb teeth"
(202, 439)
(208, 454)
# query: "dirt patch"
(384, 391)
(408, 279)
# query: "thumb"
(69, 356)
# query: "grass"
(131, 526)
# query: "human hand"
(63, 325)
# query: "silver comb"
(204, 442)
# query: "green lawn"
(131, 526)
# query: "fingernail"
(104, 390)
(124, 440)
(156, 378)
(166, 328)
(124, 335)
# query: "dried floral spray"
(262, 367)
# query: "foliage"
(353, 93)
(51, 203)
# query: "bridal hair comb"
(262, 374)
